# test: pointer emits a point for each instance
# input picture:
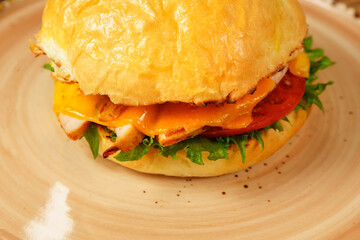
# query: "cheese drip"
(153, 120)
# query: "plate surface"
(50, 188)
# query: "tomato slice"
(280, 102)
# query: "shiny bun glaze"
(148, 52)
(183, 167)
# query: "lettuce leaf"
(92, 137)
(48, 67)
(111, 133)
(194, 148)
(134, 154)
(312, 91)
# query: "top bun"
(149, 52)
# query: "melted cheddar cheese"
(300, 66)
(157, 119)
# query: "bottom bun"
(183, 167)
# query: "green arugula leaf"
(193, 147)
(172, 149)
(240, 141)
(149, 141)
(194, 156)
(323, 63)
(286, 120)
(135, 154)
(318, 62)
(48, 67)
(112, 135)
(216, 149)
(260, 140)
(311, 95)
(308, 43)
(276, 126)
(258, 136)
(107, 129)
(92, 137)
(315, 54)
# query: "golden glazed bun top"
(154, 51)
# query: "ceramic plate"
(51, 188)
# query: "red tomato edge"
(261, 116)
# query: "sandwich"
(181, 88)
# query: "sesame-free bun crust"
(148, 52)
(183, 167)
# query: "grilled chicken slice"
(110, 111)
(127, 138)
(74, 128)
(172, 137)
